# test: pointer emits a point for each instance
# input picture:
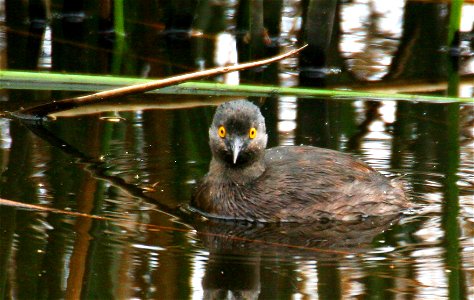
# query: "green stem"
(453, 42)
(450, 223)
(39, 80)
(119, 24)
(454, 19)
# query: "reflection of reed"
(16, 171)
(317, 30)
(87, 199)
(412, 60)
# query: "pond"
(95, 205)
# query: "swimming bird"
(299, 184)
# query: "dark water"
(132, 173)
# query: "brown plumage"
(285, 184)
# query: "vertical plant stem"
(119, 51)
(119, 25)
(451, 208)
(453, 44)
(454, 20)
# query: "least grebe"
(287, 183)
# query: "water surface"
(132, 173)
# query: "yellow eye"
(221, 132)
(252, 133)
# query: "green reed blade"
(55, 81)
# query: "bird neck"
(225, 173)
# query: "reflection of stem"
(257, 31)
(453, 80)
(7, 227)
(90, 201)
(16, 171)
(78, 261)
(450, 164)
(329, 281)
(370, 116)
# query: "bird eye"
(252, 133)
(221, 132)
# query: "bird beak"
(236, 147)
